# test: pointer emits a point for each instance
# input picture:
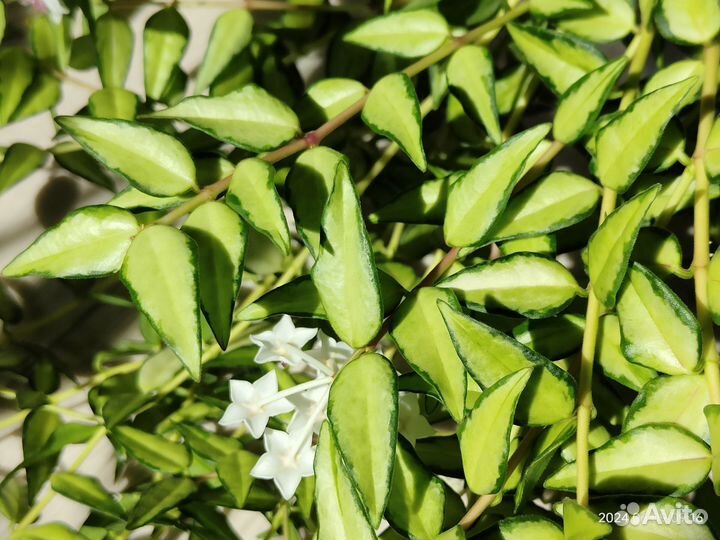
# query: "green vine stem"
(701, 255)
(594, 306)
(314, 138)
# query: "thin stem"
(594, 306)
(297, 389)
(394, 241)
(530, 83)
(440, 268)
(637, 65)
(37, 509)
(701, 252)
(470, 37)
(309, 428)
(314, 138)
(585, 401)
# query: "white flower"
(53, 8)
(306, 405)
(288, 458)
(283, 343)
(253, 404)
(328, 349)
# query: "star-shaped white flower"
(53, 8)
(283, 343)
(329, 349)
(253, 404)
(288, 459)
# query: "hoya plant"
(427, 269)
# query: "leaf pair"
(356, 451)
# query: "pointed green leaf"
(660, 251)
(164, 41)
(43, 94)
(153, 450)
(579, 523)
(693, 22)
(252, 194)
(231, 33)
(115, 103)
(456, 533)
(220, 236)
(114, 44)
(559, 59)
(558, 8)
(417, 498)
(16, 74)
(208, 444)
(489, 356)
(408, 33)
(88, 491)
(340, 511)
(612, 243)
(423, 204)
(553, 338)
(545, 450)
(393, 111)
(132, 198)
(298, 298)
(234, 472)
(56, 531)
(658, 330)
(72, 157)
(676, 400)
(308, 187)
(344, 272)
(21, 160)
(608, 20)
(160, 271)
(557, 201)
(471, 78)
(612, 360)
(655, 458)
(477, 199)
(531, 285)
(581, 104)
(363, 413)
(485, 434)
(675, 73)
(249, 118)
(50, 41)
(329, 97)
(421, 337)
(529, 528)
(627, 142)
(712, 413)
(91, 241)
(158, 498)
(150, 160)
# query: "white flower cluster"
(288, 455)
(54, 8)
